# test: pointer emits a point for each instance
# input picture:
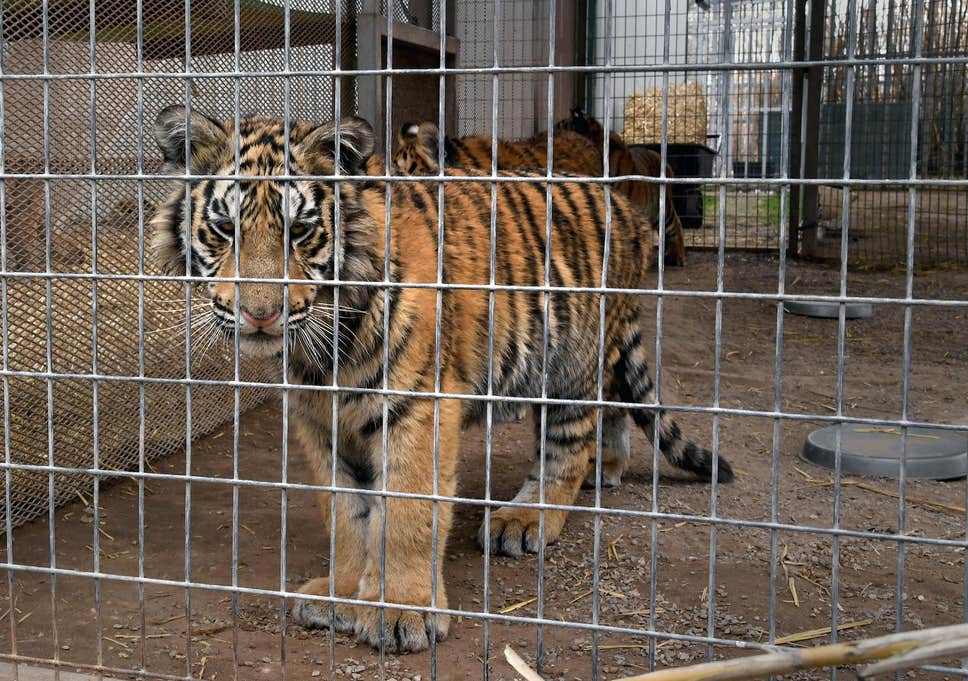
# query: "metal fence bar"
(48, 323)
(95, 420)
(909, 291)
(489, 405)
(7, 454)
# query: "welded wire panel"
(176, 507)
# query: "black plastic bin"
(687, 160)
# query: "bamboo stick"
(791, 660)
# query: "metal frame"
(801, 63)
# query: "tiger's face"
(417, 149)
(226, 229)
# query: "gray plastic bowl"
(829, 310)
(932, 453)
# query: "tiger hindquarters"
(570, 449)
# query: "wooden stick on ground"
(791, 660)
(520, 666)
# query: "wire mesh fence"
(230, 308)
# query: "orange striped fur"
(574, 151)
(348, 233)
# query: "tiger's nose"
(261, 317)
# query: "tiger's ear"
(427, 144)
(171, 129)
(356, 143)
(408, 133)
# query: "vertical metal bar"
(49, 339)
(140, 168)
(811, 129)
(236, 323)
(607, 188)
(546, 325)
(842, 321)
(96, 462)
(334, 400)
(335, 396)
(387, 275)
(784, 160)
(908, 322)
(725, 141)
(659, 309)
(489, 413)
(188, 341)
(5, 329)
(288, 342)
(385, 453)
(796, 125)
(441, 127)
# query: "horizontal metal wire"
(453, 612)
(491, 503)
(470, 397)
(506, 179)
(493, 70)
(710, 295)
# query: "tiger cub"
(574, 152)
(443, 357)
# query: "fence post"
(805, 134)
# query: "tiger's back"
(574, 151)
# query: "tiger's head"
(417, 149)
(213, 225)
(581, 122)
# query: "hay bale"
(61, 429)
(687, 116)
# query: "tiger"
(574, 151)
(418, 150)
(625, 160)
(372, 297)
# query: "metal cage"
(157, 519)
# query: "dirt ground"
(934, 581)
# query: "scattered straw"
(211, 631)
(895, 431)
(859, 484)
(793, 592)
(516, 606)
(616, 646)
(116, 642)
(612, 550)
(82, 497)
(158, 623)
(818, 633)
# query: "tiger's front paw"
(516, 531)
(316, 614)
(402, 631)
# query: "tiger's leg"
(409, 537)
(616, 445)
(352, 511)
(569, 444)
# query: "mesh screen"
(60, 127)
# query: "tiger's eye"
(223, 227)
